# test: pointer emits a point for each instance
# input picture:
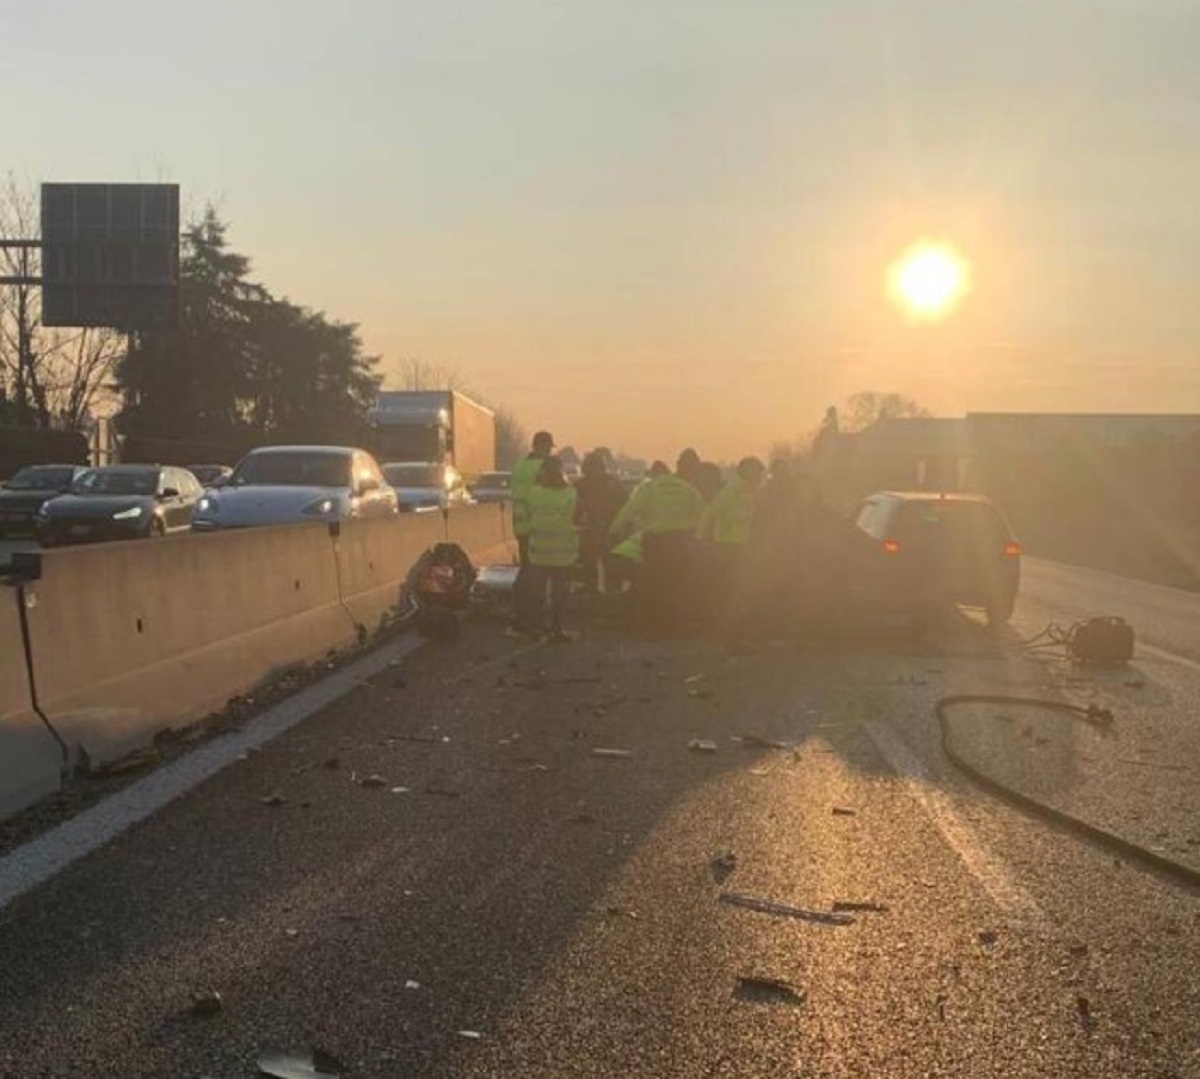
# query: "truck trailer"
(442, 427)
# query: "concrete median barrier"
(374, 558)
(132, 638)
(484, 532)
(31, 760)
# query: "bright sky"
(655, 224)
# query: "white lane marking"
(993, 875)
(1170, 657)
(37, 861)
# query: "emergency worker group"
(697, 553)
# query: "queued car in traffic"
(275, 485)
(116, 502)
(916, 551)
(492, 487)
(210, 475)
(27, 491)
(423, 486)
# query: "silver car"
(276, 485)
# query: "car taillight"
(891, 546)
(1012, 549)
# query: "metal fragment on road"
(844, 811)
(410, 984)
(723, 865)
(702, 745)
(273, 800)
(844, 906)
(205, 1005)
(472, 1035)
(785, 910)
(315, 1065)
(616, 754)
(760, 990)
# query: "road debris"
(400, 790)
(756, 741)
(614, 754)
(315, 1065)
(275, 799)
(846, 906)
(702, 745)
(723, 866)
(410, 984)
(785, 910)
(373, 781)
(759, 990)
(1084, 1008)
(205, 1005)
(987, 937)
(471, 1035)
(622, 912)
(844, 811)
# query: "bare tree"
(417, 374)
(869, 406)
(53, 378)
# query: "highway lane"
(500, 879)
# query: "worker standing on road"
(665, 510)
(524, 479)
(703, 475)
(553, 544)
(725, 530)
(601, 496)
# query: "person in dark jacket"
(601, 496)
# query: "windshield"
(293, 469)
(103, 481)
(413, 475)
(41, 479)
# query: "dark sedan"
(121, 502)
(22, 496)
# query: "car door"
(173, 502)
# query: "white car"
(276, 485)
(423, 486)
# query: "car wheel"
(999, 613)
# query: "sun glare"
(928, 280)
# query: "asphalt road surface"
(437, 875)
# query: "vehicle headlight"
(324, 507)
(207, 504)
(131, 514)
(43, 511)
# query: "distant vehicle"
(421, 487)
(276, 485)
(117, 502)
(492, 487)
(439, 427)
(211, 475)
(23, 495)
(918, 550)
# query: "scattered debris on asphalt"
(769, 906)
(472, 1035)
(400, 790)
(760, 990)
(846, 906)
(723, 866)
(988, 937)
(275, 799)
(600, 751)
(844, 811)
(314, 1065)
(702, 745)
(373, 781)
(205, 1005)
(410, 984)
(756, 741)
(622, 912)
(1084, 1008)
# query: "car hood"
(261, 505)
(96, 506)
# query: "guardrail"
(126, 640)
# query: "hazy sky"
(655, 223)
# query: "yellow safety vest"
(664, 504)
(553, 540)
(630, 549)
(727, 517)
(524, 478)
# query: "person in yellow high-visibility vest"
(725, 529)
(524, 478)
(553, 544)
(665, 511)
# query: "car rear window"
(974, 523)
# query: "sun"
(929, 280)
